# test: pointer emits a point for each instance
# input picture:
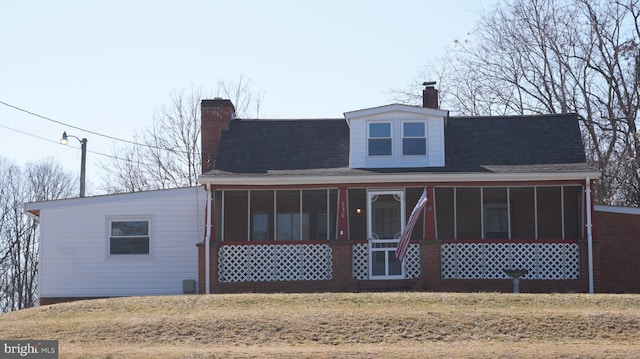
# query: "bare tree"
(168, 153)
(242, 97)
(559, 56)
(19, 233)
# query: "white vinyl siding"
(75, 260)
(435, 143)
(358, 144)
(396, 115)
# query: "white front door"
(385, 222)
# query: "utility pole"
(83, 162)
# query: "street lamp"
(83, 164)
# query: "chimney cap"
(217, 102)
(429, 84)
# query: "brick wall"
(617, 253)
(215, 116)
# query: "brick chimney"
(430, 95)
(215, 117)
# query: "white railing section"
(487, 260)
(360, 261)
(274, 262)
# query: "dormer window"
(396, 136)
(380, 139)
(414, 140)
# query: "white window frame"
(404, 136)
(390, 138)
(109, 235)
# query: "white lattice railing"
(274, 262)
(487, 260)
(360, 261)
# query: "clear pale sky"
(106, 66)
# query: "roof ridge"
(508, 117)
(287, 119)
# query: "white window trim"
(426, 147)
(128, 218)
(390, 123)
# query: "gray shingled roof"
(256, 146)
(475, 142)
(514, 144)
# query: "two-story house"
(320, 204)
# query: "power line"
(68, 125)
(56, 142)
(90, 131)
(40, 138)
(72, 146)
(29, 134)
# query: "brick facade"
(215, 117)
(616, 252)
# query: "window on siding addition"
(414, 140)
(380, 139)
(128, 237)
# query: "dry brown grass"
(345, 325)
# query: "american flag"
(403, 244)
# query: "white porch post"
(589, 234)
(207, 240)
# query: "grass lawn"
(343, 325)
